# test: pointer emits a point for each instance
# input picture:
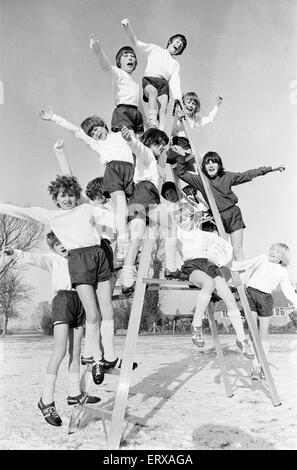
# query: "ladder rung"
(169, 282)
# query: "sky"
(242, 50)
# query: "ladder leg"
(220, 354)
(120, 403)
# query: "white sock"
(92, 346)
(201, 305)
(170, 253)
(49, 388)
(107, 335)
(236, 321)
(128, 275)
(74, 384)
(266, 347)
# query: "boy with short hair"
(161, 73)
(68, 318)
(126, 90)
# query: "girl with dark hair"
(221, 183)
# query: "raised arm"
(61, 157)
(249, 175)
(203, 121)
(142, 152)
(187, 176)
(129, 31)
(39, 260)
(37, 214)
(100, 54)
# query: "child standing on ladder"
(267, 273)
(202, 254)
(126, 90)
(89, 270)
(221, 183)
(161, 73)
(68, 317)
(116, 156)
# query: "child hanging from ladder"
(202, 254)
(116, 156)
(89, 269)
(161, 73)
(267, 273)
(68, 317)
(192, 108)
(221, 183)
(126, 90)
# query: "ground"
(177, 398)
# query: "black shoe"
(81, 399)
(86, 361)
(50, 413)
(109, 364)
(128, 290)
(171, 274)
(98, 372)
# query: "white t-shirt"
(161, 64)
(146, 167)
(126, 90)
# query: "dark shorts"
(88, 265)
(67, 309)
(129, 116)
(161, 85)
(145, 194)
(172, 156)
(201, 264)
(259, 302)
(232, 219)
(118, 176)
(106, 246)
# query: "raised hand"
(279, 168)
(94, 42)
(219, 100)
(126, 134)
(59, 145)
(125, 22)
(46, 114)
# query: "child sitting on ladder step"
(160, 75)
(116, 156)
(68, 317)
(126, 90)
(267, 273)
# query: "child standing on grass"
(202, 254)
(126, 90)
(221, 183)
(68, 317)
(75, 226)
(267, 273)
(116, 156)
(161, 73)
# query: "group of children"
(115, 209)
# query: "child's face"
(190, 105)
(171, 195)
(99, 133)
(128, 62)
(175, 46)
(157, 149)
(60, 250)
(212, 168)
(274, 255)
(66, 200)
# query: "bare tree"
(19, 233)
(13, 292)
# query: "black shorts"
(129, 116)
(259, 302)
(118, 176)
(144, 196)
(68, 309)
(105, 244)
(232, 219)
(201, 264)
(88, 265)
(161, 85)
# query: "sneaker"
(197, 337)
(122, 248)
(86, 361)
(109, 364)
(98, 372)
(246, 348)
(172, 274)
(50, 413)
(256, 374)
(128, 279)
(81, 399)
(262, 375)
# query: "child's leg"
(152, 93)
(255, 360)
(121, 211)
(60, 344)
(104, 295)
(236, 241)
(163, 100)
(137, 229)
(199, 278)
(264, 334)
(88, 298)
(75, 339)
